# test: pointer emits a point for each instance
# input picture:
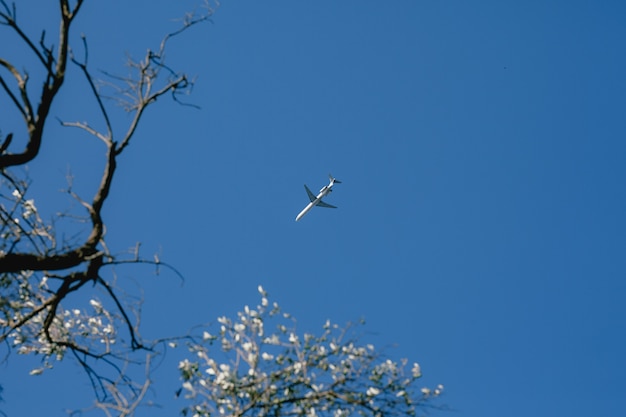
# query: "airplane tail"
(333, 179)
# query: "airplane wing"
(312, 196)
(322, 204)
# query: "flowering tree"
(40, 267)
(267, 369)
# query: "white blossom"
(416, 370)
(29, 208)
(36, 371)
(341, 413)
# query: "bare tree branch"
(83, 66)
(55, 76)
(25, 109)
(9, 18)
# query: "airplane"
(317, 200)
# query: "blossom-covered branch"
(258, 365)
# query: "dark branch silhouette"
(39, 271)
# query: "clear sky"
(482, 152)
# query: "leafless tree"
(39, 270)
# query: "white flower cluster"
(20, 223)
(29, 316)
(282, 372)
(74, 327)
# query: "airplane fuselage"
(310, 206)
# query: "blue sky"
(480, 228)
